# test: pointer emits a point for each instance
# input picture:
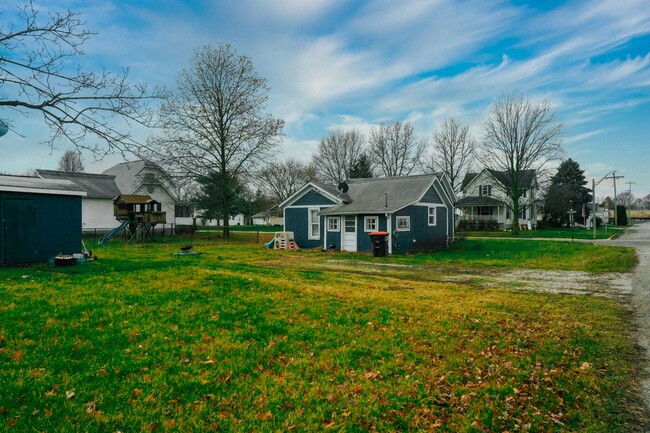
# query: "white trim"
(435, 216)
(310, 223)
(42, 191)
(338, 224)
(365, 223)
(406, 218)
(308, 206)
(304, 190)
(389, 227)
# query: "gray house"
(416, 211)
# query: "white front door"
(350, 233)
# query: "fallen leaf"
(265, 416)
(69, 394)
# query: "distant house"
(97, 205)
(145, 178)
(39, 218)
(267, 218)
(485, 203)
(416, 211)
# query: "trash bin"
(379, 244)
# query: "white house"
(485, 200)
(146, 178)
(97, 204)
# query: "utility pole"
(614, 177)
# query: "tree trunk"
(515, 217)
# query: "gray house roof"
(526, 180)
(26, 184)
(381, 195)
(95, 185)
(129, 176)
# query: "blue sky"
(341, 63)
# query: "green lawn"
(246, 339)
(552, 233)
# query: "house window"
(432, 216)
(485, 190)
(183, 211)
(403, 223)
(370, 223)
(522, 193)
(485, 210)
(522, 213)
(333, 224)
(314, 223)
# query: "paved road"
(639, 238)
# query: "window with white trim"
(333, 224)
(403, 223)
(485, 190)
(432, 215)
(370, 223)
(314, 223)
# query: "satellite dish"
(4, 128)
(343, 187)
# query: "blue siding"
(57, 226)
(421, 231)
(296, 221)
(431, 196)
(364, 243)
(334, 238)
(313, 198)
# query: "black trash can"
(379, 244)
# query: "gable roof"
(526, 180)
(36, 185)
(95, 185)
(383, 195)
(129, 176)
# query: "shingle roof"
(95, 185)
(478, 201)
(42, 186)
(369, 195)
(129, 176)
(526, 180)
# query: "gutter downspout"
(390, 232)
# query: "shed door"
(20, 231)
(350, 233)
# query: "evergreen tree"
(362, 169)
(567, 190)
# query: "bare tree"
(38, 75)
(452, 151)
(281, 179)
(395, 149)
(519, 136)
(71, 162)
(337, 155)
(215, 125)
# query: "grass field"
(246, 339)
(551, 233)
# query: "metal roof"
(37, 185)
(95, 185)
(478, 201)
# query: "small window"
(485, 190)
(522, 193)
(333, 224)
(432, 216)
(370, 223)
(314, 224)
(403, 223)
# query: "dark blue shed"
(39, 218)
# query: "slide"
(113, 232)
(269, 244)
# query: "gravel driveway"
(639, 238)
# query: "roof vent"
(343, 187)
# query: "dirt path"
(639, 238)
